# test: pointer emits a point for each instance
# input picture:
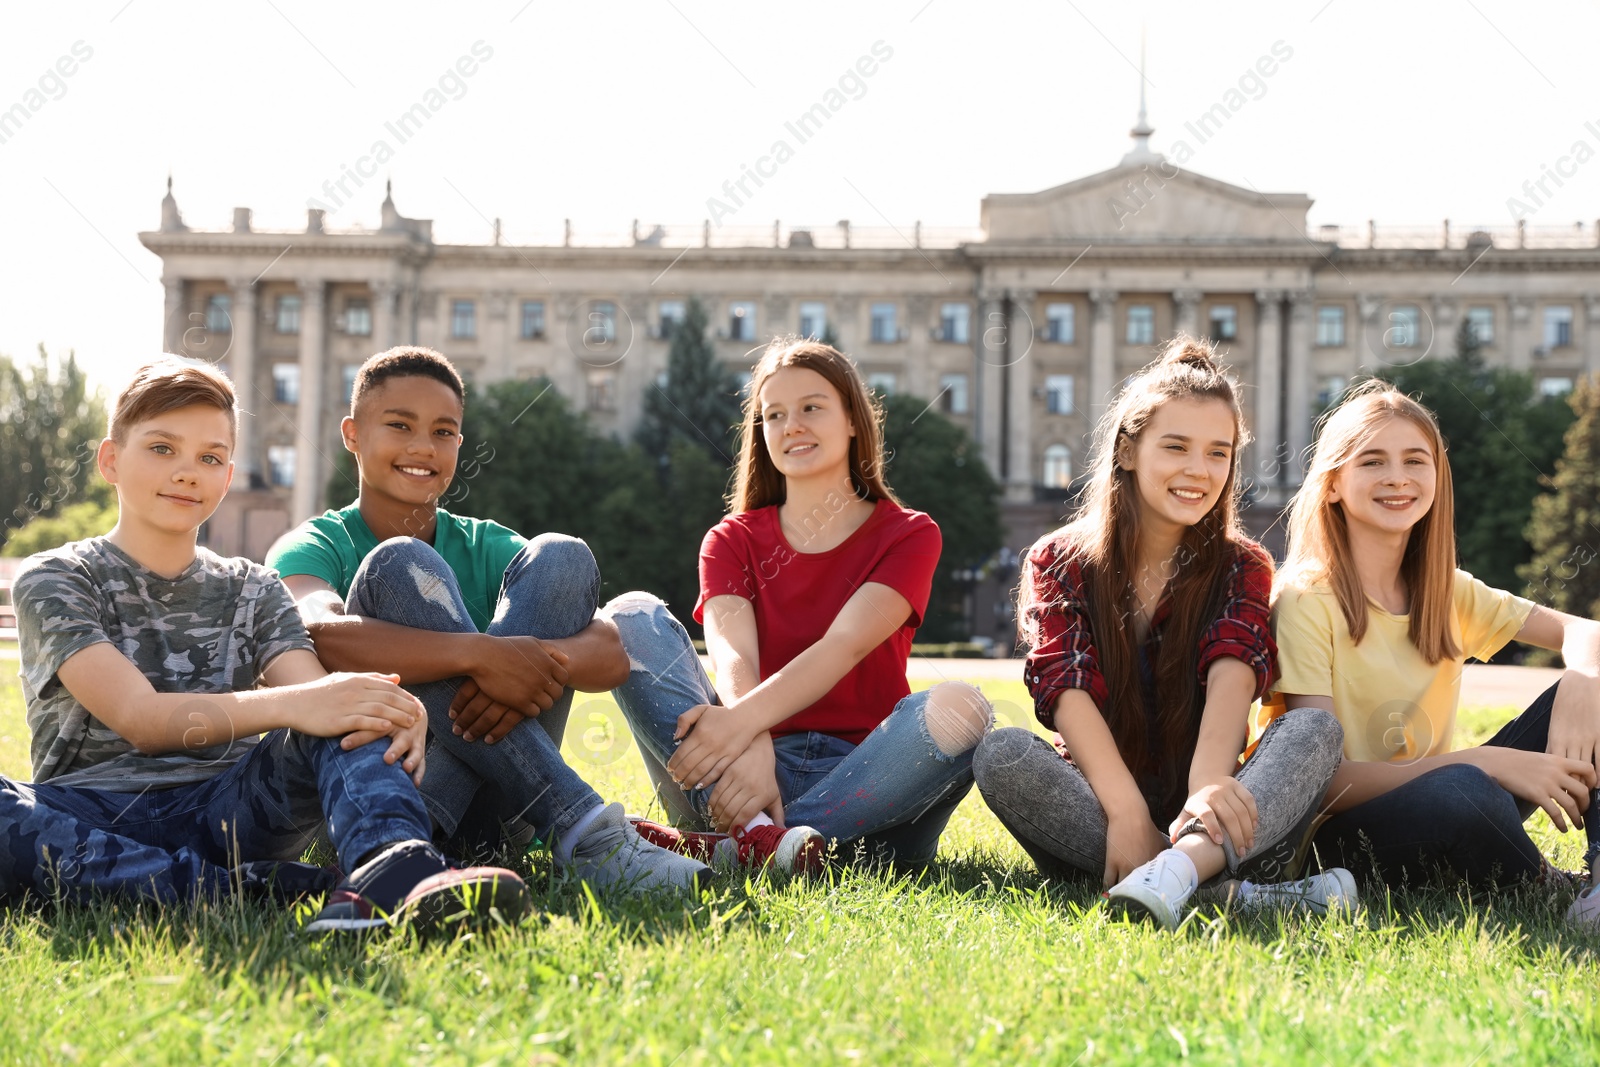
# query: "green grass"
(973, 961)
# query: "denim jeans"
(1047, 804)
(178, 844)
(887, 798)
(1455, 819)
(549, 591)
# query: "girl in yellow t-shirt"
(1373, 622)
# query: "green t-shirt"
(332, 545)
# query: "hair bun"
(1191, 351)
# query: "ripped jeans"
(887, 798)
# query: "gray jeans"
(1046, 802)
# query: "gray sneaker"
(611, 853)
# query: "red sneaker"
(796, 849)
(700, 846)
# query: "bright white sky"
(1403, 112)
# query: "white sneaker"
(1332, 890)
(1585, 910)
(1158, 890)
(612, 853)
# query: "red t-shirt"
(797, 595)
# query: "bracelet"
(1193, 826)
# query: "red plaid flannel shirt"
(1063, 654)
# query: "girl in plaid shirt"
(1147, 617)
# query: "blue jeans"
(889, 796)
(178, 844)
(549, 591)
(1454, 819)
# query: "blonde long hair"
(1319, 533)
(757, 482)
(1103, 535)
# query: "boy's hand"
(354, 704)
(523, 673)
(748, 787)
(409, 744)
(478, 716)
(712, 738)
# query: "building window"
(1058, 467)
(1558, 326)
(953, 392)
(347, 381)
(1058, 394)
(463, 320)
(813, 319)
(1331, 389)
(881, 383)
(218, 317)
(1224, 322)
(955, 324)
(885, 330)
(602, 328)
(1555, 386)
(532, 320)
(286, 383)
(1141, 324)
(358, 317)
(1060, 323)
(287, 316)
(602, 390)
(669, 318)
(742, 320)
(280, 464)
(1480, 320)
(1330, 326)
(1403, 323)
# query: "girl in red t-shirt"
(1150, 637)
(810, 592)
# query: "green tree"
(75, 522)
(1564, 530)
(699, 401)
(50, 425)
(1502, 439)
(935, 466)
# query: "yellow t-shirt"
(1392, 703)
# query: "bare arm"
(117, 693)
(1575, 718)
(1224, 723)
(1131, 837)
(353, 643)
(734, 646)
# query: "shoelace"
(752, 837)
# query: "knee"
(568, 555)
(636, 614)
(957, 716)
(1467, 801)
(399, 552)
(999, 751)
(1316, 733)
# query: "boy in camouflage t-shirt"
(141, 657)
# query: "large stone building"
(1021, 330)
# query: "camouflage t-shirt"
(212, 629)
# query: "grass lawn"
(974, 961)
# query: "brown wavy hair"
(1319, 533)
(757, 482)
(1103, 534)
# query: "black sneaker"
(282, 881)
(410, 882)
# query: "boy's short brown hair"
(406, 361)
(167, 384)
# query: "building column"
(1446, 319)
(989, 342)
(921, 379)
(1018, 377)
(496, 342)
(172, 325)
(1298, 387)
(1519, 338)
(1187, 319)
(1102, 355)
(242, 360)
(1591, 343)
(309, 446)
(1270, 458)
(385, 315)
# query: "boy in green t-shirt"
(160, 769)
(486, 629)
